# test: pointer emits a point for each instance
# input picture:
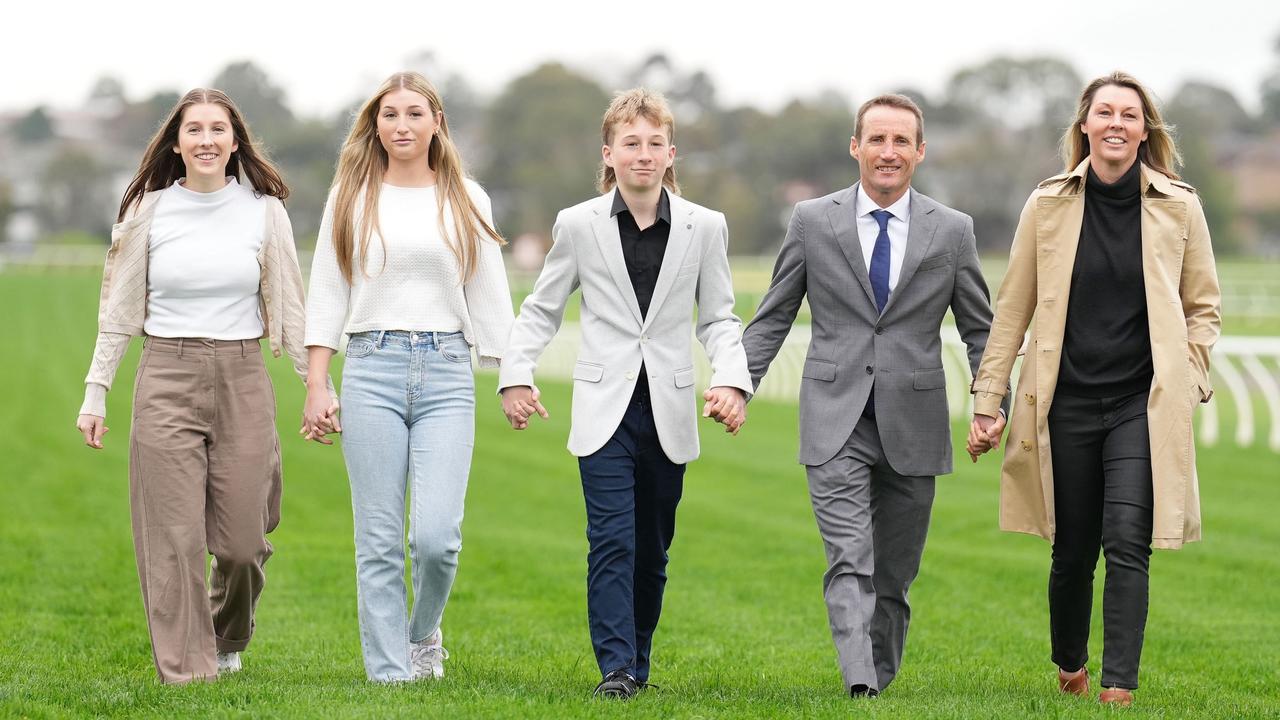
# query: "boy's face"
(640, 154)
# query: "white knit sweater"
(412, 284)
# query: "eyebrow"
(411, 107)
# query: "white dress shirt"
(869, 229)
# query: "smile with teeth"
(1113, 140)
(206, 156)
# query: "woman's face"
(406, 125)
(205, 142)
(1115, 126)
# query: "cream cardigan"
(122, 305)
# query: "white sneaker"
(228, 662)
(428, 656)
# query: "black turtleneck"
(1106, 349)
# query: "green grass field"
(744, 632)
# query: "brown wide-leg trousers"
(204, 477)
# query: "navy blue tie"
(880, 260)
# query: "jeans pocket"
(457, 351)
(358, 347)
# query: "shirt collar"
(664, 205)
(900, 209)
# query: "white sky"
(759, 52)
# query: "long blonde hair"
(362, 164)
(1157, 152)
(161, 166)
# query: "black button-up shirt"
(643, 249)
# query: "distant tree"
(74, 194)
(1018, 92)
(34, 127)
(543, 134)
(138, 121)
(1271, 89)
(6, 208)
(262, 102)
(107, 89)
(1210, 122)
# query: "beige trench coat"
(1183, 312)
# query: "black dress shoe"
(861, 691)
(617, 684)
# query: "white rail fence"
(1246, 378)
(1246, 370)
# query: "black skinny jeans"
(1103, 498)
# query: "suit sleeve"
(1015, 305)
(971, 302)
(766, 332)
(1201, 297)
(543, 310)
(719, 329)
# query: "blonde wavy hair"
(362, 164)
(1158, 151)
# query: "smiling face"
(639, 154)
(1115, 127)
(205, 142)
(887, 152)
(406, 125)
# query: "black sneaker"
(618, 684)
(862, 691)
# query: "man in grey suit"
(644, 258)
(880, 264)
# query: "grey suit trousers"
(873, 523)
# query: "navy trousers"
(631, 491)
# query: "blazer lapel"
(678, 243)
(605, 228)
(920, 232)
(844, 226)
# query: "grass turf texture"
(744, 631)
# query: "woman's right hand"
(319, 416)
(93, 427)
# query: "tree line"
(992, 133)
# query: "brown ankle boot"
(1116, 696)
(1076, 683)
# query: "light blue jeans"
(408, 420)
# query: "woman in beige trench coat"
(1112, 261)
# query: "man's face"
(887, 152)
(640, 154)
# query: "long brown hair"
(1158, 151)
(161, 166)
(362, 164)
(625, 108)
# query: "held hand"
(319, 416)
(984, 434)
(519, 403)
(728, 405)
(93, 428)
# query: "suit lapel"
(605, 229)
(678, 243)
(920, 232)
(844, 226)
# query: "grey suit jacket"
(587, 253)
(854, 345)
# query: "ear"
(671, 155)
(853, 146)
(920, 151)
(607, 154)
(235, 145)
(439, 120)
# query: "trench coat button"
(689, 226)
(1031, 399)
(631, 376)
(1026, 444)
(870, 370)
(879, 330)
